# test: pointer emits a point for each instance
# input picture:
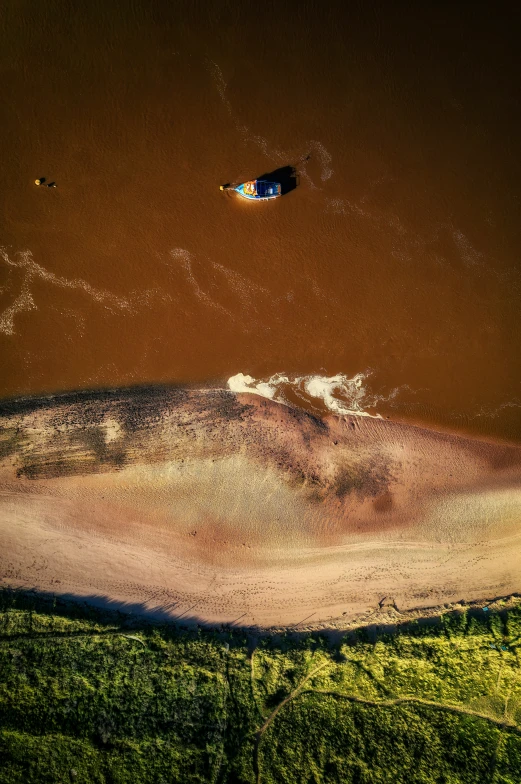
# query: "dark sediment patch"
(68, 436)
(383, 503)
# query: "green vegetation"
(91, 697)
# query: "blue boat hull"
(264, 191)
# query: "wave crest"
(338, 394)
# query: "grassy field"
(91, 697)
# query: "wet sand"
(217, 507)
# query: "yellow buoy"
(37, 182)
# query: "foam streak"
(31, 271)
(338, 394)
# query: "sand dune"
(224, 507)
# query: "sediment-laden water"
(386, 282)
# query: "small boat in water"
(258, 190)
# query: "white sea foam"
(261, 142)
(185, 260)
(26, 262)
(339, 394)
(320, 153)
(324, 159)
(245, 383)
(24, 301)
(245, 289)
(220, 81)
(337, 206)
(492, 413)
(32, 271)
(278, 156)
(469, 255)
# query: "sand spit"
(229, 507)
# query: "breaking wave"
(338, 394)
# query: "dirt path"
(274, 713)
(503, 723)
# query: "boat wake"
(320, 153)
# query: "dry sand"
(216, 507)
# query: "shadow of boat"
(287, 177)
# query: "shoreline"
(76, 395)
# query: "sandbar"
(214, 507)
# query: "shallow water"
(392, 266)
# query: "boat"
(259, 190)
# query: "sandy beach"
(214, 507)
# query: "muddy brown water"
(397, 255)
